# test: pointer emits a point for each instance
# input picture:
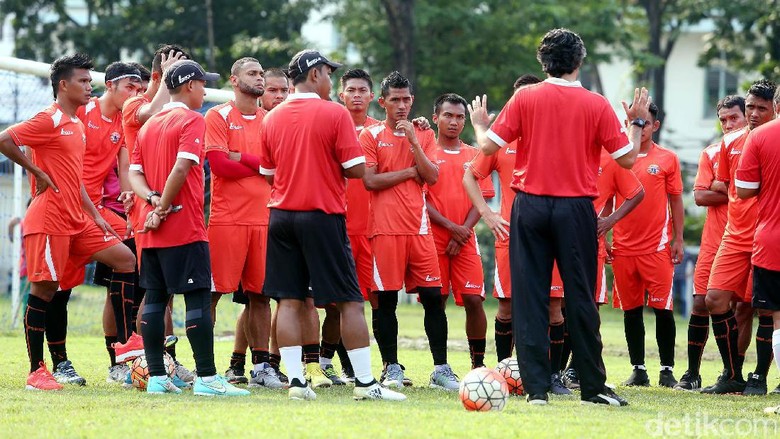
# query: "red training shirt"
(358, 197)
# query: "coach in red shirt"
(308, 148)
(561, 128)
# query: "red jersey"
(307, 142)
(503, 162)
(104, 139)
(760, 169)
(562, 126)
(58, 144)
(358, 197)
(717, 216)
(648, 228)
(614, 180)
(741, 224)
(174, 133)
(449, 196)
(401, 209)
(235, 202)
(130, 122)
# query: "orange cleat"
(42, 379)
(130, 350)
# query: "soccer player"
(553, 219)
(276, 88)
(645, 246)
(63, 230)
(309, 142)
(169, 156)
(758, 175)
(730, 278)
(237, 226)
(731, 114)
(400, 162)
(453, 218)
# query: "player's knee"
(699, 305)
(716, 302)
(387, 300)
(504, 309)
(430, 297)
(472, 303)
(198, 307)
(634, 313)
(258, 301)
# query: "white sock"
(640, 366)
(669, 368)
(361, 364)
(776, 346)
(291, 357)
(324, 362)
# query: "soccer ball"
(511, 372)
(483, 389)
(139, 371)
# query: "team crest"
(601, 170)
(114, 137)
(653, 169)
(466, 166)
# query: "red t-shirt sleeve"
(748, 175)
(705, 175)
(37, 132)
(674, 184)
(488, 191)
(483, 165)
(347, 148)
(625, 182)
(611, 133)
(724, 165)
(130, 112)
(267, 163)
(191, 138)
(368, 143)
(507, 127)
(428, 143)
(216, 132)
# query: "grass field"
(103, 410)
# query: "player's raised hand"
(640, 106)
(408, 128)
(43, 182)
(421, 123)
(479, 113)
(497, 224)
(166, 61)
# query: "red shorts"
(732, 271)
(703, 270)
(463, 275)
(404, 260)
(237, 254)
(556, 288)
(61, 258)
(116, 222)
(636, 274)
(364, 262)
(502, 278)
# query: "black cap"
(306, 59)
(184, 71)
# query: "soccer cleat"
(537, 399)
(217, 387)
(236, 376)
(182, 373)
(158, 385)
(570, 379)
(348, 375)
(776, 391)
(282, 377)
(638, 378)
(301, 391)
(330, 372)
(557, 387)
(129, 351)
(689, 382)
(666, 379)
(444, 378)
(376, 392)
(117, 373)
(179, 383)
(42, 379)
(128, 384)
(265, 377)
(772, 410)
(606, 397)
(171, 340)
(755, 386)
(316, 377)
(726, 385)
(64, 373)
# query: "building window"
(719, 82)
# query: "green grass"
(103, 410)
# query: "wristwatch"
(150, 195)
(639, 122)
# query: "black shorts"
(103, 272)
(310, 249)
(176, 269)
(239, 296)
(766, 289)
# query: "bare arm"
(678, 222)
(123, 169)
(606, 224)
(744, 194)
(174, 182)
(703, 197)
(9, 149)
(639, 109)
(377, 182)
(162, 96)
(355, 172)
(428, 172)
(493, 219)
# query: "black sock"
(763, 344)
(346, 363)
(57, 327)
(34, 328)
(566, 350)
(634, 325)
(740, 360)
(477, 352)
(387, 326)
(698, 332)
(273, 360)
(153, 331)
(556, 346)
(503, 339)
(665, 333)
(200, 330)
(110, 340)
(238, 361)
(724, 328)
(311, 353)
(121, 293)
(171, 350)
(435, 321)
(138, 297)
(375, 324)
(328, 350)
(259, 356)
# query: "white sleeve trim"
(138, 168)
(356, 161)
(622, 151)
(265, 171)
(188, 156)
(496, 139)
(747, 184)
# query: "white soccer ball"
(483, 389)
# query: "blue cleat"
(161, 384)
(218, 387)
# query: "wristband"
(150, 195)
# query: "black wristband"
(639, 122)
(150, 195)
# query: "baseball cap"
(184, 71)
(306, 59)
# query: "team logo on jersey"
(382, 144)
(511, 151)
(653, 169)
(114, 137)
(735, 152)
(84, 138)
(92, 125)
(64, 132)
(430, 278)
(235, 127)
(601, 170)
(440, 161)
(466, 165)
(197, 140)
(471, 285)
(556, 288)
